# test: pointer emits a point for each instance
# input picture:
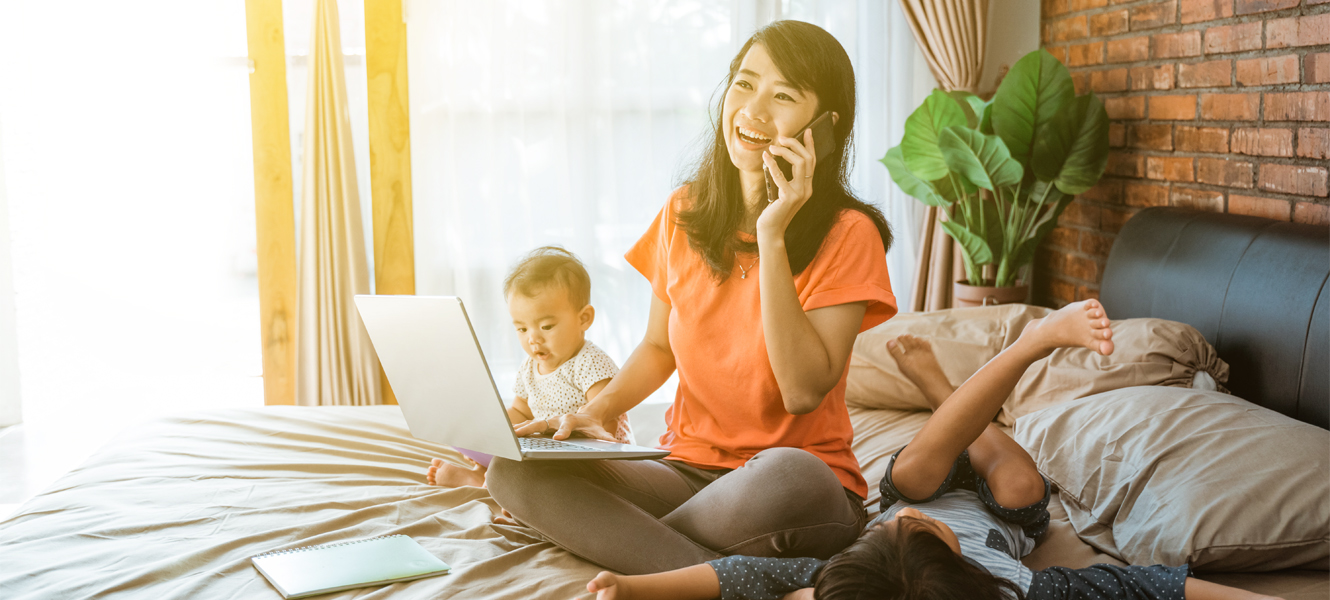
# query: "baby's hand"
(606, 587)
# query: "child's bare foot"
(916, 360)
(1077, 325)
(447, 474)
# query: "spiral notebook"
(314, 570)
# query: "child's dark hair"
(906, 563)
(548, 266)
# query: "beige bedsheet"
(175, 508)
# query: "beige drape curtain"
(952, 35)
(335, 362)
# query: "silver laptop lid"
(438, 373)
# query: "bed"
(175, 508)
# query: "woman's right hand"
(564, 426)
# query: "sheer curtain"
(569, 123)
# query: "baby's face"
(550, 329)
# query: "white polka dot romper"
(563, 391)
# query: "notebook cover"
(315, 570)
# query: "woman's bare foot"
(447, 474)
(914, 356)
(1077, 325)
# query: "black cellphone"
(824, 140)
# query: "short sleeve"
(650, 255)
(519, 383)
(1109, 581)
(752, 578)
(851, 267)
(593, 366)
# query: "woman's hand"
(564, 426)
(794, 192)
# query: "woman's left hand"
(794, 192)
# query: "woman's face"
(759, 105)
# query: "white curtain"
(569, 122)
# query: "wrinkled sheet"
(175, 508)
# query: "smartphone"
(824, 140)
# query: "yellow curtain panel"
(335, 362)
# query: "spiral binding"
(322, 546)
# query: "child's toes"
(894, 346)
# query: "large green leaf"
(1024, 252)
(986, 121)
(1032, 92)
(974, 246)
(1072, 149)
(954, 188)
(971, 105)
(918, 188)
(981, 159)
(922, 128)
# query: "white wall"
(10, 406)
(1013, 32)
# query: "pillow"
(1146, 352)
(1161, 475)
(963, 339)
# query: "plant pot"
(965, 295)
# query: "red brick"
(1080, 268)
(1061, 237)
(1314, 143)
(1154, 15)
(1173, 108)
(1269, 208)
(1085, 54)
(1062, 292)
(1247, 7)
(1263, 142)
(1117, 135)
(1095, 244)
(1298, 106)
(1111, 80)
(1316, 68)
(1131, 107)
(1080, 5)
(1078, 213)
(1176, 45)
(1113, 220)
(1313, 214)
(1225, 172)
(1196, 199)
(1293, 179)
(1080, 81)
(1085, 292)
(1311, 30)
(1059, 52)
(1151, 137)
(1195, 11)
(1138, 48)
(1233, 38)
(1167, 168)
(1125, 165)
(1064, 30)
(1152, 78)
(1145, 194)
(1216, 73)
(1108, 191)
(1230, 107)
(1053, 8)
(1109, 23)
(1268, 71)
(1201, 139)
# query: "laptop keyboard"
(529, 443)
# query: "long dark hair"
(813, 60)
(907, 564)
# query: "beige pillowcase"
(963, 339)
(1161, 475)
(1146, 352)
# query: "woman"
(759, 434)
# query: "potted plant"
(1002, 171)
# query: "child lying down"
(961, 504)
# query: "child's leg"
(1007, 468)
(959, 421)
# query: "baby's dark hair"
(906, 563)
(549, 266)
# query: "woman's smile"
(760, 105)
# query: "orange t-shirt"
(728, 406)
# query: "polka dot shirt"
(564, 390)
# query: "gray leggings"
(648, 516)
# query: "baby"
(549, 299)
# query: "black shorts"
(1032, 519)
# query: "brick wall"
(1219, 105)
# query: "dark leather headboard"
(1255, 288)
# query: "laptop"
(438, 372)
